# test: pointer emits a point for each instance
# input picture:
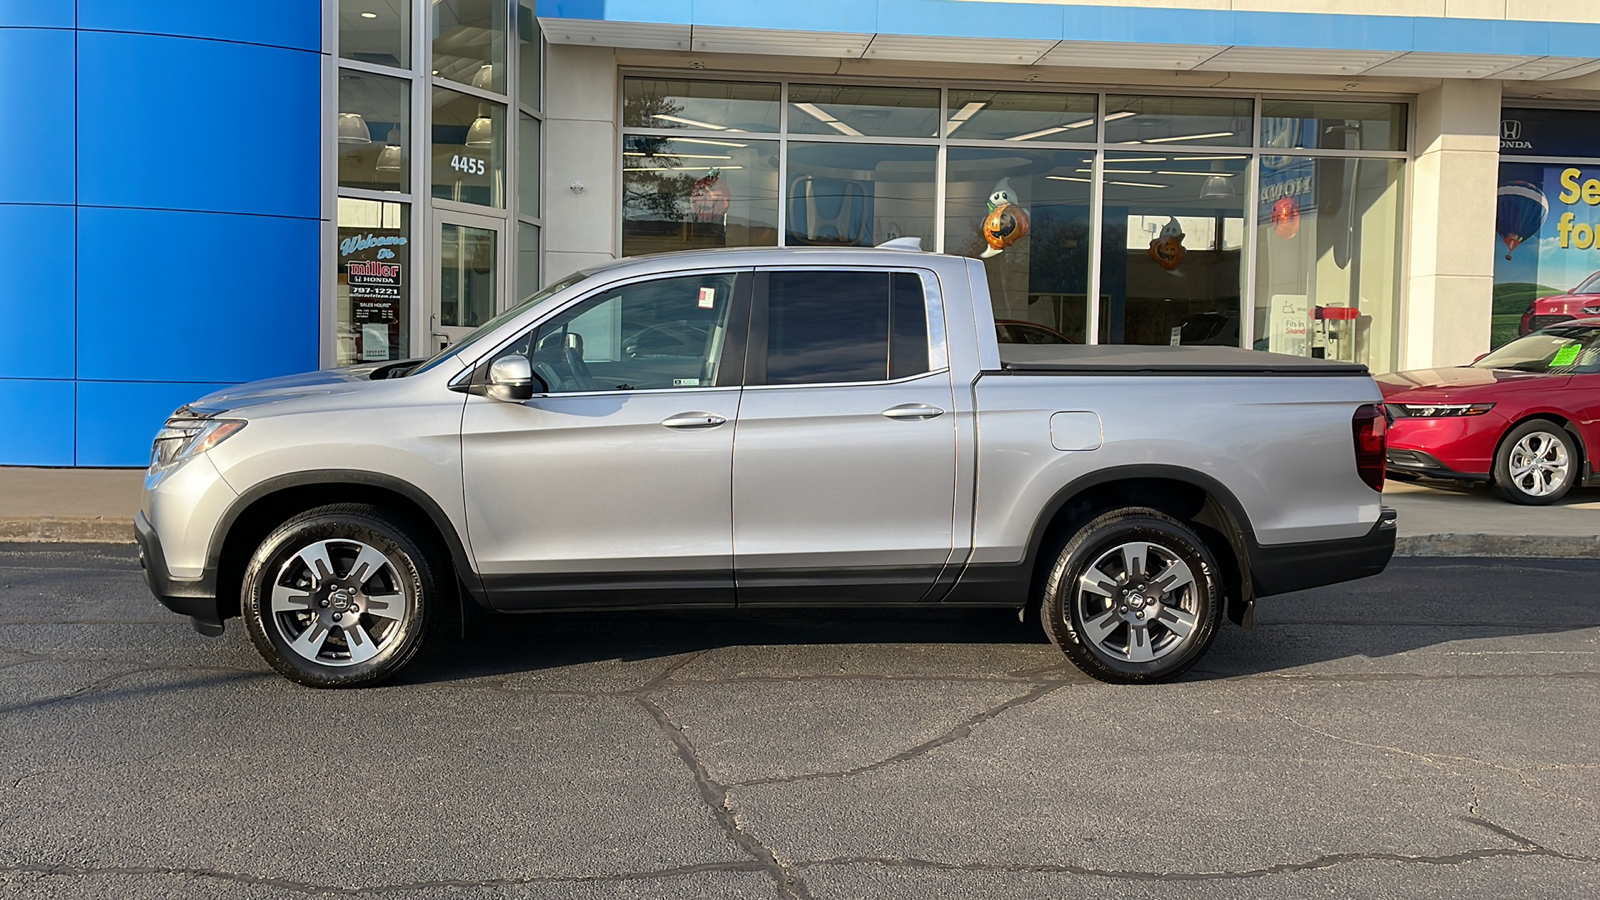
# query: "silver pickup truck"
(767, 427)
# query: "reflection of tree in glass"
(654, 191)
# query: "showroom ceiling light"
(689, 122)
(1060, 128)
(962, 115)
(826, 118)
(391, 157)
(353, 129)
(481, 134)
(1184, 137)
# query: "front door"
(612, 487)
(470, 256)
(845, 455)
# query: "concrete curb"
(1519, 546)
(85, 529)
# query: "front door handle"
(913, 411)
(691, 420)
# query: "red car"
(1583, 300)
(1523, 417)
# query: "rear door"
(845, 452)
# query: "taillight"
(1369, 426)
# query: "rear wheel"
(1537, 463)
(1133, 597)
(339, 596)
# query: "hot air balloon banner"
(1007, 221)
(1520, 211)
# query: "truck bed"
(1133, 359)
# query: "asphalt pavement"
(1432, 732)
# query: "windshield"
(1590, 285)
(489, 326)
(1563, 348)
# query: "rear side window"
(830, 327)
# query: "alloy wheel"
(1539, 464)
(338, 602)
(1137, 602)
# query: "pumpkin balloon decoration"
(709, 199)
(1286, 217)
(1167, 249)
(1007, 221)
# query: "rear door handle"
(913, 411)
(693, 420)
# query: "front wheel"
(1133, 597)
(1537, 463)
(339, 596)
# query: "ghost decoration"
(1007, 221)
(1167, 249)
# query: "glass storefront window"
(1020, 116)
(699, 105)
(372, 296)
(1217, 121)
(1172, 258)
(530, 50)
(468, 272)
(376, 31)
(860, 195)
(679, 194)
(1026, 214)
(469, 149)
(855, 110)
(469, 42)
(1328, 258)
(527, 260)
(1332, 125)
(374, 132)
(527, 165)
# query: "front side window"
(837, 327)
(649, 335)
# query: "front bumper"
(1417, 462)
(1281, 568)
(196, 599)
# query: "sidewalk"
(99, 504)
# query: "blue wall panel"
(36, 307)
(36, 131)
(279, 23)
(116, 422)
(36, 13)
(35, 423)
(180, 296)
(178, 123)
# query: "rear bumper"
(196, 599)
(1281, 568)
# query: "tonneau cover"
(1133, 359)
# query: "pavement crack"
(715, 796)
(300, 887)
(1326, 861)
(959, 732)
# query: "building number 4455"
(467, 164)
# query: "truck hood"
(288, 387)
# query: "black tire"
(366, 645)
(1536, 488)
(1077, 624)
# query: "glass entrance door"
(471, 256)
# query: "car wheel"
(1133, 597)
(1537, 463)
(339, 596)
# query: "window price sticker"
(708, 297)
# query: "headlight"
(1438, 410)
(183, 437)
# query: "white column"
(1450, 293)
(580, 148)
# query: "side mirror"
(511, 378)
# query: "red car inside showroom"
(1522, 418)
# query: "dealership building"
(195, 194)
